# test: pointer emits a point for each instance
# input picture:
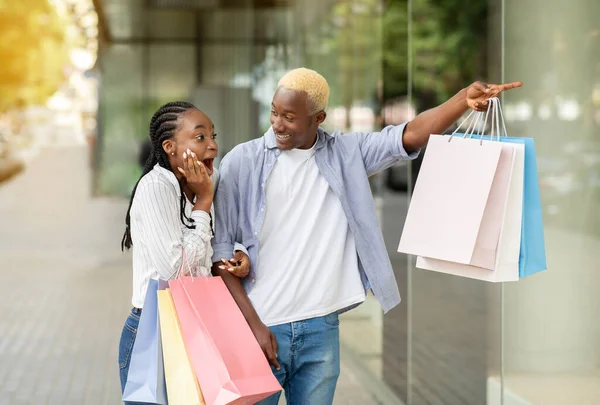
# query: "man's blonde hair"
(310, 82)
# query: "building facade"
(452, 340)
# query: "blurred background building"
(89, 74)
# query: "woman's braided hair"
(163, 126)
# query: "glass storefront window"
(452, 340)
(551, 327)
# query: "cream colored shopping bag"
(182, 384)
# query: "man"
(299, 199)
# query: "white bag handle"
(461, 124)
(491, 104)
(496, 118)
(476, 126)
(471, 127)
(496, 122)
(501, 115)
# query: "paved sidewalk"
(66, 290)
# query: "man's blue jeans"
(309, 355)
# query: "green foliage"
(346, 49)
(449, 46)
(33, 52)
(357, 45)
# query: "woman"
(170, 210)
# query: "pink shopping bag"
(228, 361)
(453, 214)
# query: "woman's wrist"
(203, 205)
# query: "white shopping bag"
(452, 192)
(506, 266)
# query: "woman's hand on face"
(197, 178)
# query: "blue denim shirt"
(346, 161)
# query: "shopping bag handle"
(471, 122)
(185, 262)
(473, 125)
(497, 122)
(496, 118)
(491, 104)
(501, 115)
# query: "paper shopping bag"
(507, 258)
(146, 379)
(533, 249)
(451, 195)
(182, 385)
(228, 361)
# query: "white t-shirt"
(307, 260)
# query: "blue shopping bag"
(533, 250)
(146, 377)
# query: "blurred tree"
(346, 49)
(449, 51)
(359, 42)
(449, 47)
(32, 50)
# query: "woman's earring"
(172, 153)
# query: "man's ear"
(321, 117)
(169, 147)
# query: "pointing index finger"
(509, 86)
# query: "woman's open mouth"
(209, 164)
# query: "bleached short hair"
(310, 82)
